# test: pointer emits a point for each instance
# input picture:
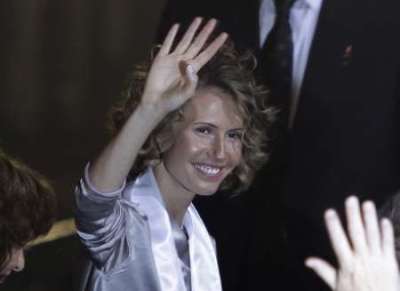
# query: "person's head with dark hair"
(27, 206)
(227, 73)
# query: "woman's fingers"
(200, 39)
(372, 232)
(169, 40)
(174, 73)
(188, 36)
(355, 225)
(192, 50)
(324, 270)
(338, 238)
(209, 52)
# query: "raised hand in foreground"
(366, 256)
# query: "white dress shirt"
(303, 21)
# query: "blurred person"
(27, 208)
(192, 123)
(366, 255)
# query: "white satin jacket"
(129, 237)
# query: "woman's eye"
(203, 130)
(235, 135)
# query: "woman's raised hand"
(366, 256)
(173, 78)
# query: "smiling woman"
(228, 73)
(192, 123)
(210, 142)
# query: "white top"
(303, 21)
(128, 234)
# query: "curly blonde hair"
(231, 73)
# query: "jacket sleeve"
(101, 224)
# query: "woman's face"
(207, 142)
(15, 263)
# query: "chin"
(206, 188)
(203, 191)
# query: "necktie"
(275, 70)
(182, 248)
(276, 60)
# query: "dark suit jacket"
(346, 134)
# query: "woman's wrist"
(151, 111)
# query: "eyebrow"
(214, 126)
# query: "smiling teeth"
(211, 171)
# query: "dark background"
(62, 64)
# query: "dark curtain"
(62, 65)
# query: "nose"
(19, 260)
(219, 148)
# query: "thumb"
(324, 270)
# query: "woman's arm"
(171, 82)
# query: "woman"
(27, 207)
(192, 124)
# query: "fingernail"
(368, 205)
(330, 213)
(212, 21)
(309, 263)
(386, 222)
(351, 201)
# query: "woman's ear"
(168, 135)
(165, 141)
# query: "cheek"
(184, 148)
(7, 267)
(238, 158)
(236, 154)
(4, 269)
(190, 144)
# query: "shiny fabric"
(129, 237)
(182, 249)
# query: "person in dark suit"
(343, 130)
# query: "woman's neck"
(177, 199)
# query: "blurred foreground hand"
(366, 256)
